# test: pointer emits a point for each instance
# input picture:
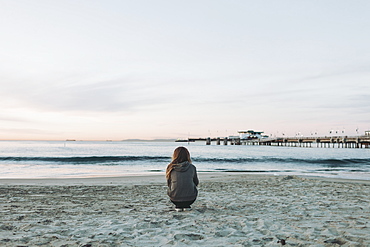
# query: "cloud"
(10, 118)
(114, 95)
(28, 131)
(354, 104)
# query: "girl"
(182, 180)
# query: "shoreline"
(159, 178)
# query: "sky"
(117, 69)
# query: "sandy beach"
(231, 210)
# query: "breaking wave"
(117, 160)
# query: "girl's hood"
(182, 167)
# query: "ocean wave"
(328, 162)
(88, 159)
(116, 160)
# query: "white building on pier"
(251, 134)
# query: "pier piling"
(208, 141)
(321, 142)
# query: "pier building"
(251, 134)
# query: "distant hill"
(154, 140)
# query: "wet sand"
(231, 210)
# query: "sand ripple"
(240, 212)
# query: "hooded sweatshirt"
(183, 182)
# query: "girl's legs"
(183, 204)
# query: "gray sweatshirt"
(182, 185)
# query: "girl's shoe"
(179, 209)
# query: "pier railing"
(325, 141)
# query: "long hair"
(181, 154)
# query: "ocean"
(80, 159)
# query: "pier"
(323, 142)
(320, 142)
